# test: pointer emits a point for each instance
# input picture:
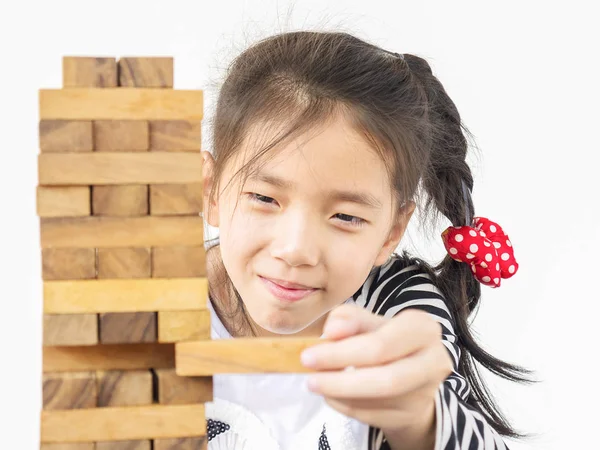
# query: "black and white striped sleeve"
(394, 287)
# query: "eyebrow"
(361, 198)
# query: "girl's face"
(319, 214)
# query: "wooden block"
(69, 446)
(120, 135)
(65, 136)
(120, 296)
(127, 328)
(175, 135)
(148, 72)
(112, 232)
(118, 168)
(108, 357)
(72, 390)
(122, 423)
(124, 445)
(124, 388)
(175, 326)
(120, 201)
(89, 72)
(70, 329)
(68, 263)
(63, 201)
(242, 355)
(179, 261)
(121, 104)
(124, 263)
(181, 444)
(176, 390)
(173, 199)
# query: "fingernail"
(311, 384)
(308, 358)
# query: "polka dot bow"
(486, 248)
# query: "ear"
(396, 233)
(210, 208)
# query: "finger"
(349, 319)
(382, 416)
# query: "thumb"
(349, 320)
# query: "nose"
(295, 240)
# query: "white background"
(524, 76)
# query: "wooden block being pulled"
(175, 135)
(120, 296)
(89, 72)
(98, 168)
(68, 263)
(121, 104)
(108, 357)
(63, 201)
(112, 232)
(178, 261)
(174, 199)
(181, 444)
(124, 388)
(71, 390)
(122, 423)
(70, 329)
(124, 263)
(146, 72)
(127, 328)
(176, 326)
(120, 135)
(176, 390)
(124, 445)
(127, 200)
(69, 446)
(65, 136)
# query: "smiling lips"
(287, 291)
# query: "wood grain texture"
(70, 329)
(68, 263)
(176, 390)
(129, 295)
(69, 446)
(116, 263)
(121, 135)
(108, 357)
(72, 390)
(146, 72)
(175, 135)
(114, 168)
(181, 444)
(65, 136)
(63, 201)
(114, 232)
(124, 388)
(128, 328)
(176, 326)
(121, 104)
(124, 445)
(242, 355)
(122, 423)
(174, 199)
(128, 200)
(178, 261)
(90, 72)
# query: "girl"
(321, 145)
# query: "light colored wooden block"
(242, 355)
(120, 135)
(69, 446)
(200, 443)
(124, 445)
(121, 104)
(127, 200)
(175, 135)
(174, 199)
(132, 262)
(176, 326)
(147, 295)
(68, 263)
(147, 72)
(116, 168)
(65, 136)
(178, 261)
(122, 423)
(70, 329)
(83, 71)
(176, 390)
(63, 201)
(124, 388)
(128, 328)
(108, 357)
(113, 232)
(72, 390)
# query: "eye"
(351, 220)
(261, 198)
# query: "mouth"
(287, 291)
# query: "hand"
(384, 372)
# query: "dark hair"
(402, 109)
